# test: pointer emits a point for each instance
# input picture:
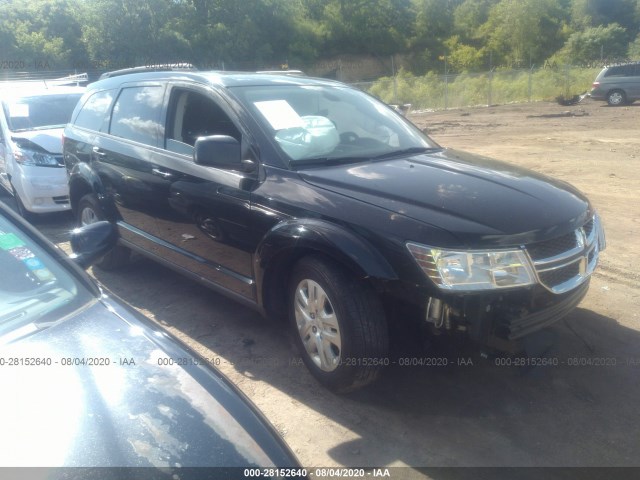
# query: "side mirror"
(220, 151)
(92, 242)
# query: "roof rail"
(157, 67)
(71, 79)
(297, 73)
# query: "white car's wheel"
(22, 210)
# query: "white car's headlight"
(31, 158)
(474, 270)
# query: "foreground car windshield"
(39, 112)
(316, 124)
(34, 288)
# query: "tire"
(89, 211)
(22, 210)
(615, 98)
(338, 324)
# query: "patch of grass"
(433, 91)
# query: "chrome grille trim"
(577, 263)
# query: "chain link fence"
(495, 87)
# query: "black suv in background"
(309, 199)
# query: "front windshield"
(35, 289)
(40, 111)
(325, 124)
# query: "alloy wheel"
(318, 325)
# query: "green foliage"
(119, 33)
(469, 17)
(524, 32)
(39, 31)
(594, 42)
(471, 34)
(433, 24)
(592, 13)
(433, 91)
(462, 58)
(366, 26)
(634, 49)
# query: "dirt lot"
(479, 415)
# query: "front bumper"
(515, 328)
(42, 189)
(498, 320)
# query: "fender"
(83, 180)
(291, 239)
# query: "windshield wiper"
(407, 151)
(329, 161)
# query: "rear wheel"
(338, 324)
(616, 98)
(88, 212)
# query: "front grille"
(552, 248)
(588, 228)
(565, 262)
(62, 200)
(560, 275)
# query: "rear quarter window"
(94, 110)
(620, 71)
(136, 114)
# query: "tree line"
(469, 35)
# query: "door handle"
(98, 151)
(160, 173)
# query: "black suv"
(309, 199)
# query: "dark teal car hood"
(109, 399)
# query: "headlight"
(37, 159)
(474, 270)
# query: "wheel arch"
(289, 241)
(83, 181)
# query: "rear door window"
(136, 114)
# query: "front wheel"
(88, 212)
(338, 324)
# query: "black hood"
(475, 198)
